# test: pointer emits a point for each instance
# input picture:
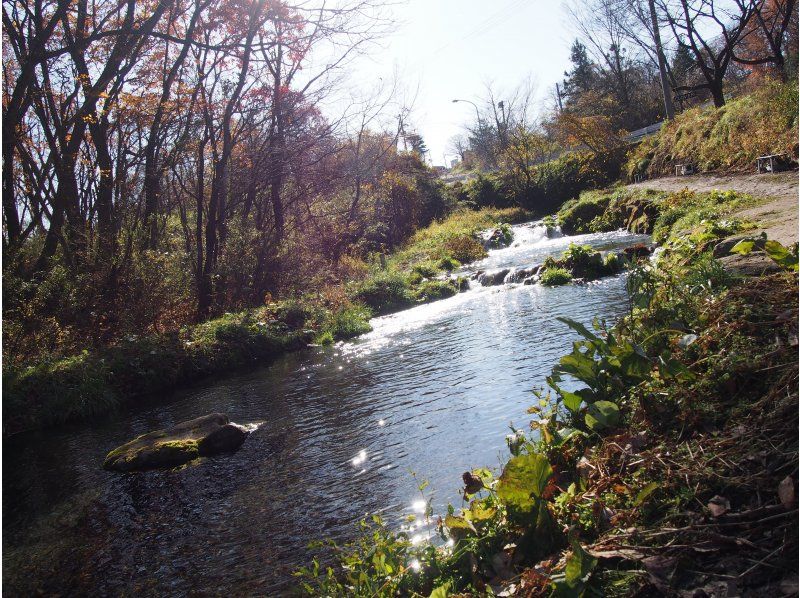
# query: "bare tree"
(713, 52)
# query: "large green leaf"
(572, 582)
(578, 365)
(580, 329)
(478, 512)
(524, 480)
(455, 522)
(441, 591)
(781, 255)
(601, 415)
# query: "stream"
(343, 432)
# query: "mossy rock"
(163, 449)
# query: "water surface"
(431, 390)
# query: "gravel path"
(778, 216)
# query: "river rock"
(493, 239)
(724, 247)
(492, 278)
(202, 437)
(756, 263)
(636, 251)
(522, 274)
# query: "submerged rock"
(202, 437)
(638, 250)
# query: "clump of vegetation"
(580, 261)
(553, 277)
(608, 210)
(726, 138)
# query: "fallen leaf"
(626, 554)
(719, 505)
(786, 492)
(660, 569)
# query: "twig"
(762, 561)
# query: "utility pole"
(558, 96)
(669, 109)
(503, 131)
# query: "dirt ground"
(779, 215)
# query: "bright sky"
(451, 48)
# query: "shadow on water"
(431, 390)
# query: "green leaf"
(479, 512)
(743, 247)
(454, 522)
(571, 401)
(523, 480)
(671, 368)
(781, 255)
(645, 492)
(602, 414)
(580, 565)
(578, 365)
(580, 329)
(441, 591)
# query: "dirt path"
(778, 216)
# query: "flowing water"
(343, 431)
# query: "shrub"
(349, 322)
(432, 290)
(448, 263)
(384, 293)
(426, 269)
(465, 249)
(555, 276)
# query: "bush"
(465, 249)
(432, 290)
(426, 269)
(384, 293)
(555, 277)
(448, 263)
(349, 322)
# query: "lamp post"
(477, 112)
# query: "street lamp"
(477, 112)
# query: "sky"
(446, 49)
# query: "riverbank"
(92, 384)
(671, 465)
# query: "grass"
(728, 138)
(655, 212)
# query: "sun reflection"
(418, 506)
(415, 565)
(360, 458)
(381, 422)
